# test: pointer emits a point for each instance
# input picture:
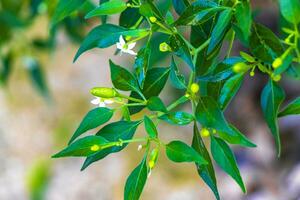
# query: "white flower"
(101, 102)
(126, 48)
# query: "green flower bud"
(277, 63)
(164, 47)
(240, 67)
(104, 92)
(204, 132)
(252, 73)
(153, 158)
(276, 78)
(195, 88)
(152, 19)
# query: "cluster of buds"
(205, 132)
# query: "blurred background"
(44, 96)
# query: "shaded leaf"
(178, 151)
(224, 157)
(271, 98)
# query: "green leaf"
(82, 147)
(92, 119)
(224, 157)
(6, 68)
(177, 118)
(180, 5)
(181, 49)
(136, 181)
(220, 29)
(290, 9)
(247, 57)
(229, 89)
(209, 114)
(130, 18)
(244, 18)
(141, 64)
(178, 151)
(150, 127)
(156, 104)
(155, 81)
(177, 79)
(122, 79)
(113, 132)
(106, 35)
(192, 14)
(64, 9)
(206, 172)
(108, 8)
(264, 43)
(271, 98)
(292, 108)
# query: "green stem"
(132, 98)
(205, 44)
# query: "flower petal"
(119, 46)
(131, 52)
(102, 104)
(95, 101)
(108, 101)
(121, 40)
(131, 45)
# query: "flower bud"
(194, 88)
(153, 158)
(152, 19)
(104, 92)
(240, 67)
(95, 147)
(164, 47)
(204, 132)
(277, 63)
(252, 73)
(276, 78)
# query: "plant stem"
(132, 98)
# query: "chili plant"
(190, 34)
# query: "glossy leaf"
(141, 64)
(155, 81)
(107, 35)
(65, 8)
(192, 12)
(229, 89)
(92, 119)
(209, 114)
(292, 108)
(156, 104)
(290, 9)
(177, 79)
(150, 127)
(113, 132)
(108, 8)
(82, 147)
(224, 157)
(264, 43)
(219, 29)
(271, 98)
(243, 17)
(136, 181)
(206, 172)
(177, 118)
(122, 79)
(178, 151)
